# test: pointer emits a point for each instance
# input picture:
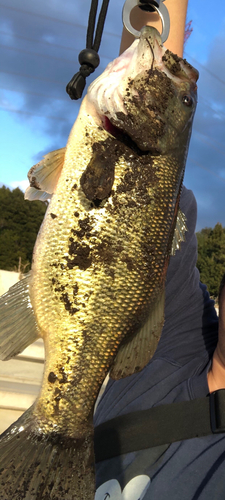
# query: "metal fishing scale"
(150, 6)
(89, 59)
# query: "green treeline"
(19, 224)
(211, 257)
(20, 221)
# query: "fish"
(95, 293)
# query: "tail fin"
(44, 467)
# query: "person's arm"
(216, 376)
(177, 11)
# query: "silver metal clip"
(157, 6)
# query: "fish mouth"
(107, 92)
(124, 137)
(131, 97)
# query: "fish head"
(147, 96)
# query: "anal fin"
(135, 353)
(18, 327)
(179, 232)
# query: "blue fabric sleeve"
(191, 322)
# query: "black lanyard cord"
(89, 58)
(90, 43)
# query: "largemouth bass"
(95, 292)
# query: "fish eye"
(187, 100)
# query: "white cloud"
(21, 184)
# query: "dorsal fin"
(33, 194)
(135, 353)
(44, 176)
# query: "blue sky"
(40, 43)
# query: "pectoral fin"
(18, 327)
(44, 176)
(179, 232)
(135, 353)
